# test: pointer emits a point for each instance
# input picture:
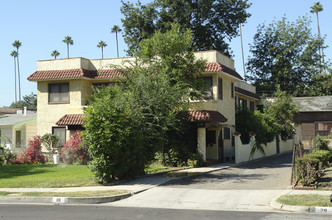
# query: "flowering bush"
(33, 154)
(74, 151)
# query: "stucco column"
(201, 142)
(238, 146)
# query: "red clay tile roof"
(217, 67)
(71, 119)
(206, 116)
(194, 116)
(110, 73)
(74, 73)
(247, 93)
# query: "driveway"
(247, 187)
(267, 174)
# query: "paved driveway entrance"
(267, 174)
(246, 187)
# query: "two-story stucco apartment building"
(64, 85)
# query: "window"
(232, 90)
(18, 141)
(58, 93)
(244, 104)
(61, 133)
(227, 133)
(219, 88)
(209, 91)
(252, 106)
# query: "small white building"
(17, 127)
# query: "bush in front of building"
(33, 154)
(74, 151)
(311, 166)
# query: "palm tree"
(115, 30)
(18, 44)
(55, 53)
(102, 44)
(68, 41)
(14, 54)
(317, 7)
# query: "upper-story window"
(232, 90)
(58, 93)
(209, 88)
(219, 88)
(252, 106)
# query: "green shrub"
(196, 160)
(323, 156)
(307, 169)
(319, 143)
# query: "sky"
(41, 25)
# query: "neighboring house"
(315, 117)
(64, 85)
(6, 110)
(17, 128)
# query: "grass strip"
(65, 194)
(305, 200)
(45, 176)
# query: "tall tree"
(284, 53)
(18, 44)
(55, 53)
(68, 41)
(213, 22)
(29, 101)
(317, 7)
(127, 122)
(116, 29)
(14, 54)
(101, 45)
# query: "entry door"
(220, 146)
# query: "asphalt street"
(56, 212)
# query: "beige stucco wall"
(31, 130)
(215, 56)
(49, 114)
(242, 151)
(82, 63)
(201, 142)
(225, 106)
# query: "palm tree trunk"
(102, 53)
(19, 78)
(320, 38)
(67, 50)
(117, 45)
(321, 54)
(244, 68)
(15, 79)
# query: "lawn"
(305, 200)
(45, 176)
(55, 176)
(325, 182)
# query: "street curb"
(303, 209)
(65, 200)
